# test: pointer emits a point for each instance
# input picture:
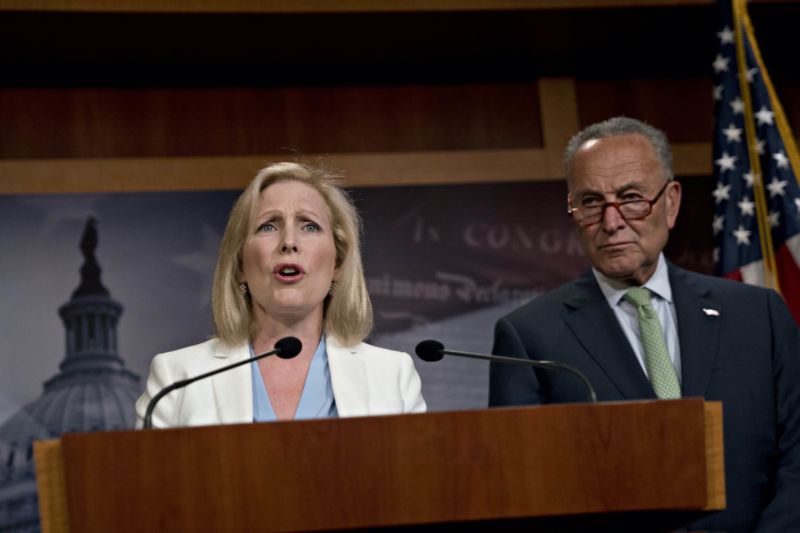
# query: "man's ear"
(673, 202)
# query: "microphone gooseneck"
(285, 348)
(431, 350)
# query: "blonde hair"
(347, 311)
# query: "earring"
(333, 286)
(244, 289)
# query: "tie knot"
(638, 296)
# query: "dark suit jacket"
(748, 358)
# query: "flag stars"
(748, 207)
(781, 159)
(733, 134)
(723, 192)
(764, 116)
(742, 235)
(776, 187)
(774, 219)
(725, 36)
(721, 64)
(739, 185)
(718, 224)
(726, 162)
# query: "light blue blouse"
(317, 399)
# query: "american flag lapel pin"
(710, 312)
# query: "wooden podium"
(658, 463)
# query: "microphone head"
(430, 350)
(288, 347)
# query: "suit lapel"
(233, 390)
(698, 330)
(595, 326)
(348, 378)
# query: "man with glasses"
(640, 328)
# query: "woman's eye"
(267, 226)
(311, 227)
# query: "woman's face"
(289, 258)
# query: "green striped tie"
(656, 357)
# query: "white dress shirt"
(628, 318)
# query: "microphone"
(285, 348)
(431, 351)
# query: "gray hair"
(621, 126)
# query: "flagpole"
(765, 236)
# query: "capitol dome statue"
(93, 391)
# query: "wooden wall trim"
(361, 170)
(559, 120)
(233, 172)
(692, 159)
(323, 6)
(559, 111)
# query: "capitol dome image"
(91, 391)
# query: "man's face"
(616, 169)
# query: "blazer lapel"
(233, 390)
(348, 378)
(596, 328)
(698, 330)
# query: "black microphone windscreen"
(288, 347)
(430, 350)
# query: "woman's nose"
(289, 243)
(289, 246)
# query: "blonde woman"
(289, 265)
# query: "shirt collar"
(658, 284)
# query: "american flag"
(756, 164)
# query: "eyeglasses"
(629, 209)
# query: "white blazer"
(366, 380)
